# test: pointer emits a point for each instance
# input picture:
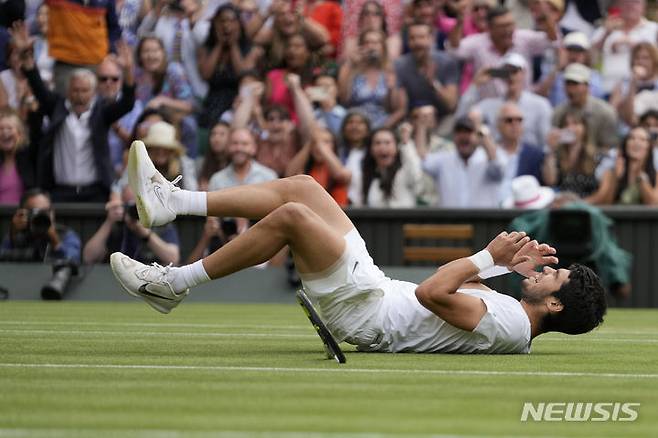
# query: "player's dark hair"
(583, 298)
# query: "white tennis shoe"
(152, 191)
(151, 283)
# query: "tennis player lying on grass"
(450, 312)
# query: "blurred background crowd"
(386, 103)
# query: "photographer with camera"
(121, 231)
(34, 235)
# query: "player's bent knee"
(304, 182)
(293, 214)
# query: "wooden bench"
(436, 243)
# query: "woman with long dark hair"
(633, 179)
(162, 85)
(225, 53)
(216, 157)
(391, 175)
(354, 133)
(571, 161)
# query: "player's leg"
(314, 243)
(258, 200)
(316, 246)
(159, 201)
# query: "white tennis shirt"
(410, 327)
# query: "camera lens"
(131, 211)
(39, 222)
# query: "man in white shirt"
(536, 109)
(468, 176)
(73, 152)
(450, 312)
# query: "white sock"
(189, 276)
(185, 202)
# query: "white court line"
(141, 433)
(330, 370)
(259, 327)
(264, 335)
(141, 333)
(592, 339)
(155, 324)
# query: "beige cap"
(576, 39)
(578, 73)
(163, 135)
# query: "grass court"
(83, 369)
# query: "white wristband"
(482, 260)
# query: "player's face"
(544, 283)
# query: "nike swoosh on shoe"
(158, 193)
(144, 291)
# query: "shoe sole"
(155, 305)
(136, 182)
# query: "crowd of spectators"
(386, 103)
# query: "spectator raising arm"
(95, 249)
(24, 46)
(307, 123)
(249, 96)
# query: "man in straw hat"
(450, 312)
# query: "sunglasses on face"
(108, 78)
(373, 13)
(513, 119)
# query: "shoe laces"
(176, 180)
(155, 273)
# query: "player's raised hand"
(532, 255)
(506, 245)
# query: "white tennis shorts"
(349, 294)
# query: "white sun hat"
(527, 194)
